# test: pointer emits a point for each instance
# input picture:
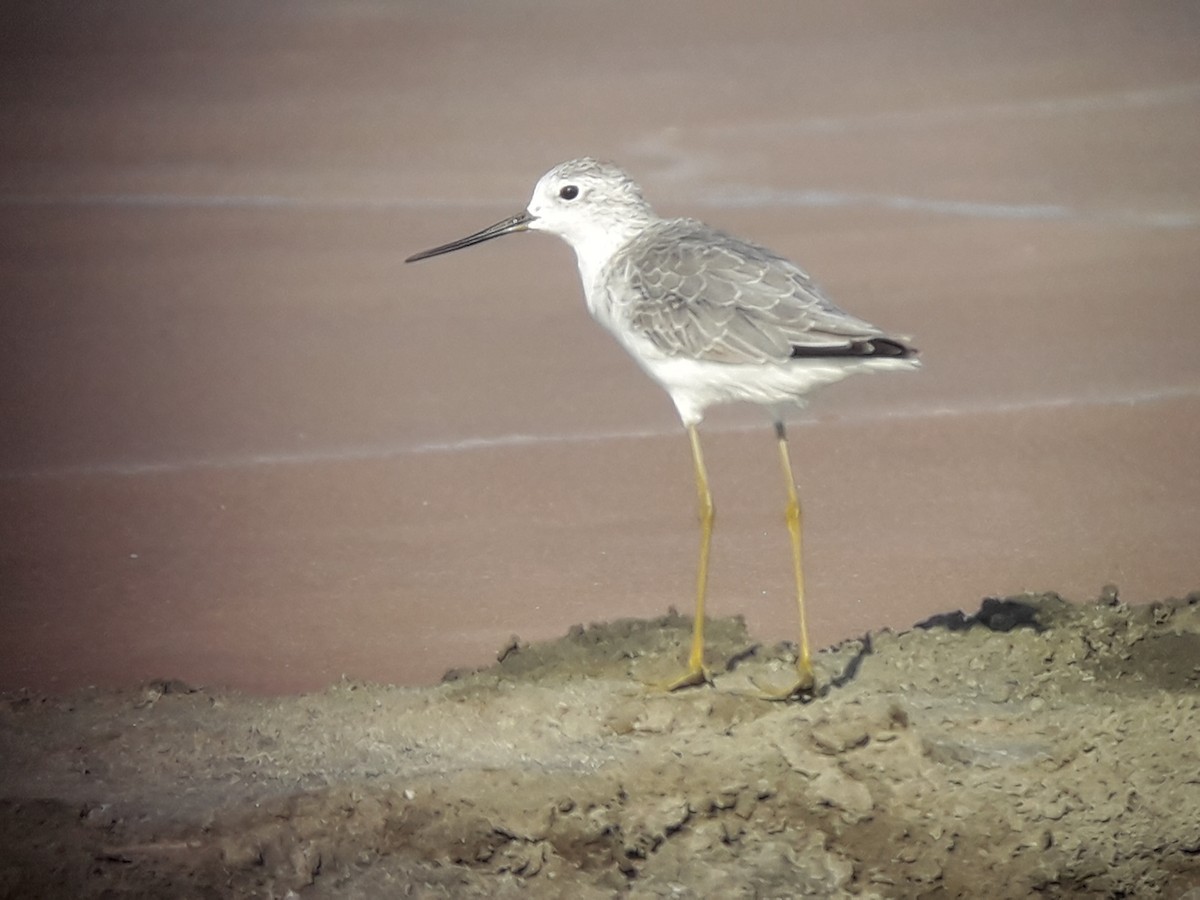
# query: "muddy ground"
(1035, 748)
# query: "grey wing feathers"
(693, 291)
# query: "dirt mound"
(1035, 747)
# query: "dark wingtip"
(888, 348)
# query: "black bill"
(510, 225)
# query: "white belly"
(695, 385)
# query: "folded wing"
(696, 292)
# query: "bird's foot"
(695, 676)
(804, 688)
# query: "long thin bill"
(510, 225)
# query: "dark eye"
(569, 192)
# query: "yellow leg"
(804, 669)
(696, 673)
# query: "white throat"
(594, 250)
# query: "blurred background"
(242, 444)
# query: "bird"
(713, 319)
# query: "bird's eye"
(569, 192)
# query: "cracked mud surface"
(1036, 747)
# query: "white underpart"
(695, 385)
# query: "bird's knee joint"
(792, 513)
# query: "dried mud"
(1036, 747)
